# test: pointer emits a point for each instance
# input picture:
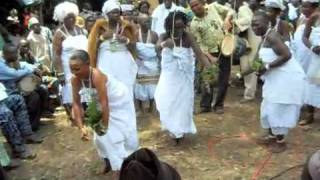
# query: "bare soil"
(223, 149)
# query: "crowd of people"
(117, 60)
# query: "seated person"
(15, 125)
(11, 72)
(49, 84)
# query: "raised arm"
(308, 29)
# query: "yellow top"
(208, 30)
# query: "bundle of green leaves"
(210, 74)
(257, 65)
(93, 118)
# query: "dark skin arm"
(307, 31)
(77, 107)
(199, 55)
(274, 41)
(284, 30)
(154, 40)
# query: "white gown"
(69, 45)
(283, 95)
(121, 138)
(118, 63)
(148, 64)
(313, 72)
(174, 94)
(301, 53)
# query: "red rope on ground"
(263, 165)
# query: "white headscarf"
(275, 4)
(110, 5)
(311, 1)
(63, 9)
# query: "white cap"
(32, 21)
(127, 7)
(275, 4)
(110, 5)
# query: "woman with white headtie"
(67, 38)
(282, 94)
(311, 39)
(174, 94)
(111, 46)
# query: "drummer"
(11, 71)
(207, 27)
(242, 23)
(47, 80)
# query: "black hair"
(315, 4)
(143, 3)
(262, 14)
(91, 18)
(173, 16)
(80, 55)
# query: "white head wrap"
(127, 7)
(311, 1)
(32, 21)
(63, 9)
(275, 4)
(110, 5)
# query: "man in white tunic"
(160, 14)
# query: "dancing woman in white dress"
(282, 94)
(148, 63)
(174, 94)
(114, 100)
(68, 38)
(311, 39)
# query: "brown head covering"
(144, 165)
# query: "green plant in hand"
(210, 74)
(257, 65)
(93, 118)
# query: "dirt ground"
(223, 149)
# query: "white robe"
(313, 72)
(148, 63)
(174, 94)
(283, 95)
(69, 45)
(119, 64)
(121, 138)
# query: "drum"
(234, 45)
(28, 84)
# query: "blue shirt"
(9, 76)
